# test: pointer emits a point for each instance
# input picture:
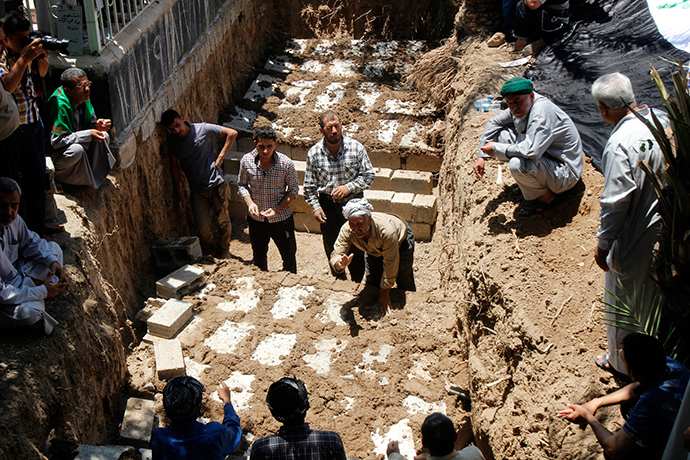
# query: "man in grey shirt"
(538, 140)
(191, 147)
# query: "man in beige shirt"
(388, 243)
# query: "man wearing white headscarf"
(388, 243)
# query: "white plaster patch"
(369, 358)
(388, 129)
(383, 382)
(240, 390)
(419, 368)
(414, 47)
(341, 68)
(356, 48)
(427, 110)
(351, 129)
(195, 369)
(324, 48)
(349, 402)
(402, 67)
(280, 64)
(334, 304)
(322, 359)
(412, 138)
(300, 89)
(280, 128)
(274, 349)
(311, 66)
(375, 68)
(262, 88)
(228, 336)
(334, 93)
(416, 405)
(205, 291)
(367, 92)
(248, 295)
(289, 301)
(296, 46)
(400, 432)
(402, 107)
(385, 49)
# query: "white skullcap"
(357, 207)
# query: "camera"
(49, 43)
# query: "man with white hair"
(629, 221)
(388, 245)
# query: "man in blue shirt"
(186, 438)
(649, 404)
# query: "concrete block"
(299, 153)
(422, 232)
(429, 163)
(382, 181)
(379, 199)
(401, 205)
(306, 223)
(301, 167)
(146, 454)
(150, 307)
(102, 452)
(299, 204)
(180, 282)
(424, 209)
(169, 359)
(152, 339)
(231, 166)
(244, 144)
(384, 159)
(137, 424)
(420, 182)
(170, 318)
(176, 251)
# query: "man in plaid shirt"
(338, 170)
(268, 183)
(288, 401)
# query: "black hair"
(169, 116)
(8, 186)
(438, 434)
(14, 22)
(644, 355)
(327, 115)
(264, 132)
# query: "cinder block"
(299, 204)
(170, 318)
(422, 232)
(102, 452)
(301, 167)
(137, 423)
(382, 180)
(180, 282)
(424, 209)
(412, 182)
(379, 199)
(384, 159)
(429, 163)
(244, 144)
(299, 153)
(401, 205)
(306, 223)
(231, 162)
(176, 251)
(169, 359)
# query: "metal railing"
(106, 18)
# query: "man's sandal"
(602, 362)
(532, 207)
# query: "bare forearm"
(13, 77)
(285, 202)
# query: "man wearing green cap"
(538, 140)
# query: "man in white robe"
(629, 221)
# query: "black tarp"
(606, 36)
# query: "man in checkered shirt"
(288, 401)
(338, 170)
(268, 183)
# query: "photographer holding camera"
(20, 56)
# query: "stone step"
(137, 423)
(169, 359)
(170, 318)
(180, 282)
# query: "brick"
(137, 423)
(176, 251)
(301, 167)
(379, 199)
(170, 318)
(382, 180)
(180, 282)
(401, 205)
(384, 159)
(306, 223)
(422, 232)
(299, 204)
(102, 452)
(412, 182)
(429, 163)
(424, 209)
(169, 359)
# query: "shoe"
(52, 229)
(602, 362)
(532, 207)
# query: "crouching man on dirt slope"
(388, 245)
(649, 405)
(288, 401)
(30, 267)
(540, 143)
